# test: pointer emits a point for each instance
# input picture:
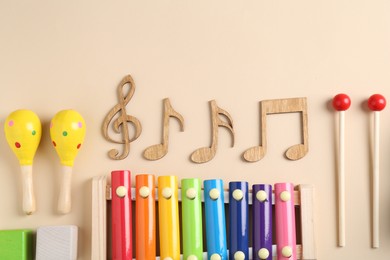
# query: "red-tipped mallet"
(376, 103)
(341, 102)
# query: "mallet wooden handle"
(376, 103)
(28, 189)
(341, 180)
(375, 183)
(341, 102)
(64, 199)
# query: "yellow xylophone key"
(168, 213)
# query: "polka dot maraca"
(23, 132)
(67, 132)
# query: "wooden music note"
(205, 154)
(120, 124)
(278, 106)
(158, 151)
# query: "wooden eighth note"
(205, 154)
(158, 151)
(278, 106)
(120, 123)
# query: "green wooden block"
(16, 244)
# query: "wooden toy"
(302, 197)
(16, 244)
(278, 106)
(57, 242)
(158, 151)
(238, 220)
(215, 219)
(285, 221)
(262, 221)
(376, 103)
(145, 217)
(121, 215)
(341, 103)
(23, 132)
(205, 154)
(192, 218)
(168, 215)
(99, 217)
(67, 132)
(219, 118)
(120, 123)
(306, 202)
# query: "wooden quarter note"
(205, 154)
(158, 151)
(278, 106)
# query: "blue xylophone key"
(215, 219)
(238, 220)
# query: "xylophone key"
(285, 221)
(262, 221)
(192, 219)
(121, 215)
(145, 215)
(215, 220)
(238, 220)
(168, 213)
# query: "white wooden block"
(57, 243)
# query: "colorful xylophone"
(207, 232)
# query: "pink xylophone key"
(285, 221)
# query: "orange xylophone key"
(145, 216)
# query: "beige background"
(72, 54)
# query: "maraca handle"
(28, 189)
(64, 199)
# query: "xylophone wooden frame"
(101, 193)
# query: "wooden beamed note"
(158, 151)
(278, 106)
(205, 154)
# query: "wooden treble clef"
(120, 123)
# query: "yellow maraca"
(67, 132)
(23, 131)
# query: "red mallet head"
(341, 102)
(376, 102)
